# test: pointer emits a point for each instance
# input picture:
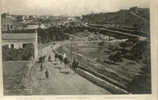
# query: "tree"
(137, 27)
(101, 43)
(116, 57)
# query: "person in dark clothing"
(41, 63)
(56, 56)
(47, 74)
(75, 64)
(66, 61)
(40, 60)
(60, 58)
(41, 66)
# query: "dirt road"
(61, 82)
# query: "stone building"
(20, 40)
(7, 23)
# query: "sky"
(68, 7)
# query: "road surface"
(61, 81)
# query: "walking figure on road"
(75, 64)
(60, 58)
(66, 61)
(56, 56)
(47, 73)
(41, 66)
(64, 56)
(41, 60)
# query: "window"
(7, 27)
(11, 27)
(5, 46)
(24, 45)
(12, 46)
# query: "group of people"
(62, 58)
(42, 60)
(53, 56)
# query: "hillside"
(123, 64)
(133, 17)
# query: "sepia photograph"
(76, 47)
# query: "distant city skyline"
(68, 7)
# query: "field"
(13, 73)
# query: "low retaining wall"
(108, 86)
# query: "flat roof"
(18, 36)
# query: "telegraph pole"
(71, 48)
(36, 45)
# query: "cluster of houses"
(26, 22)
(17, 40)
(14, 29)
(16, 22)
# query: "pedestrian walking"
(47, 74)
(66, 61)
(64, 56)
(40, 59)
(41, 66)
(56, 56)
(75, 64)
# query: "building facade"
(7, 23)
(20, 40)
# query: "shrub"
(18, 54)
(101, 43)
(116, 57)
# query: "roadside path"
(62, 80)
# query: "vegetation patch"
(13, 74)
(18, 54)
